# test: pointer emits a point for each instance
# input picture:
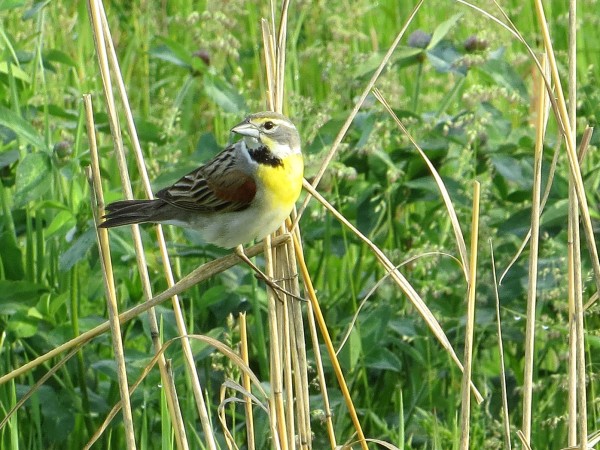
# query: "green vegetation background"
(192, 70)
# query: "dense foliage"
(460, 83)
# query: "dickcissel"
(244, 193)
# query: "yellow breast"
(282, 183)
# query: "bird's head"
(270, 129)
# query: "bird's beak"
(246, 129)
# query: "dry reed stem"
(404, 284)
(318, 315)
(171, 395)
(576, 364)
(300, 364)
(342, 133)
(51, 372)
(277, 340)
(310, 315)
(460, 240)
(465, 423)
(246, 382)
(524, 441)
(198, 275)
(401, 281)
(505, 418)
(224, 349)
(107, 275)
(570, 144)
(561, 114)
(111, 58)
(533, 258)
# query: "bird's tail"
(128, 212)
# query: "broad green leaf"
(32, 12)
(60, 57)
(18, 295)
(9, 157)
(224, 95)
(77, 251)
(12, 259)
(383, 359)
(351, 351)
(172, 52)
(442, 30)
(445, 58)
(21, 326)
(504, 74)
(6, 5)
(22, 128)
(32, 179)
(64, 219)
(407, 56)
(16, 71)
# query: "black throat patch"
(263, 155)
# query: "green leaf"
(351, 351)
(224, 95)
(503, 74)
(9, 157)
(22, 326)
(445, 58)
(16, 71)
(36, 8)
(383, 359)
(77, 251)
(60, 57)
(6, 5)
(442, 30)
(18, 295)
(22, 128)
(172, 52)
(12, 259)
(64, 219)
(32, 178)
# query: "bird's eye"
(269, 125)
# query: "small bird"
(243, 193)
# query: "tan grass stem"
(368, 88)
(533, 258)
(465, 422)
(198, 275)
(312, 296)
(505, 416)
(401, 281)
(246, 382)
(109, 282)
(563, 117)
(460, 240)
(142, 268)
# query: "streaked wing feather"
(216, 186)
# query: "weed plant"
(462, 85)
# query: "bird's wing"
(219, 185)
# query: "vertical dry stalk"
(569, 135)
(342, 133)
(109, 282)
(396, 275)
(505, 418)
(168, 384)
(287, 347)
(246, 382)
(468, 356)
(577, 399)
(572, 234)
(533, 257)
